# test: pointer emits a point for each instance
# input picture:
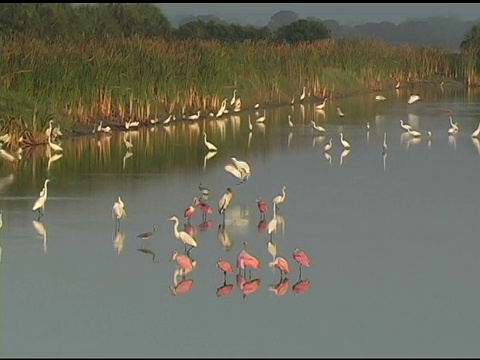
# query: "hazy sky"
(344, 13)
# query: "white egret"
(53, 146)
(167, 120)
(322, 105)
(451, 131)
(380, 98)
(340, 112)
(232, 102)
(257, 106)
(222, 108)
(413, 99)
(242, 166)
(272, 224)
(48, 132)
(328, 145)
(477, 131)
(194, 116)
(208, 144)
(39, 204)
(238, 105)
(398, 85)
(302, 96)
(279, 199)
(405, 126)
(453, 125)
(261, 119)
(118, 211)
(317, 127)
(183, 236)
(344, 142)
(232, 170)
(414, 133)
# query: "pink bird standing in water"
(302, 259)
(281, 264)
(183, 261)
(206, 209)
(262, 207)
(244, 259)
(190, 210)
(225, 266)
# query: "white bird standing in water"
(279, 199)
(405, 126)
(39, 204)
(317, 127)
(328, 145)
(118, 211)
(302, 97)
(209, 145)
(242, 166)
(322, 105)
(344, 142)
(413, 99)
(183, 236)
(380, 98)
(476, 132)
(232, 102)
(340, 112)
(53, 146)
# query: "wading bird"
(262, 207)
(384, 145)
(183, 261)
(281, 264)
(405, 126)
(340, 112)
(39, 204)
(183, 236)
(225, 266)
(224, 202)
(322, 105)
(118, 211)
(147, 235)
(328, 145)
(208, 144)
(277, 200)
(344, 142)
(243, 167)
(413, 99)
(302, 259)
(317, 127)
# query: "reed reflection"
(6, 181)
(42, 232)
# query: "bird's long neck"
(45, 187)
(175, 228)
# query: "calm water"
(393, 240)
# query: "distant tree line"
(67, 21)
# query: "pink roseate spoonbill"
(262, 207)
(224, 290)
(225, 266)
(301, 287)
(246, 260)
(302, 259)
(183, 261)
(281, 288)
(182, 287)
(184, 237)
(281, 264)
(224, 201)
(205, 208)
(190, 210)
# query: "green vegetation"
(123, 61)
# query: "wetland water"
(393, 240)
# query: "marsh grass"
(120, 79)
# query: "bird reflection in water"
(328, 157)
(289, 139)
(205, 225)
(384, 157)
(262, 226)
(127, 155)
(452, 141)
(207, 157)
(224, 290)
(148, 252)
(343, 155)
(224, 237)
(247, 287)
(118, 241)
(41, 231)
(182, 287)
(190, 230)
(476, 143)
(317, 139)
(301, 286)
(281, 288)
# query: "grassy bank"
(119, 79)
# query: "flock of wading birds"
(238, 169)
